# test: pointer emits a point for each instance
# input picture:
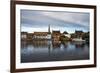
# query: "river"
(46, 50)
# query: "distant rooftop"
(65, 32)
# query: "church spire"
(49, 29)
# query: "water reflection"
(46, 50)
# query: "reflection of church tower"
(49, 33)
(49, 30)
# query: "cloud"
(35, 19)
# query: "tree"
(65, 32)
(86, 37)
(63, 38)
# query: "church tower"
(49, 29)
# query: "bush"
(64, 38)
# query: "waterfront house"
(77, 36)
(30, 36)
(24, 35)
(56, 36)
(42, 35)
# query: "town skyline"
(51, 30)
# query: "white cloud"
(77, 18)
(41, 19)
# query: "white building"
(67, 34)
(23, 35)
(42, 35)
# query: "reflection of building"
(40, 43)
(56, 36)
(49, 33)
(23, 35)
(56, 45)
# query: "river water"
(46, 50)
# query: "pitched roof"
(55, 31)
(23, 32)
(41, 33)
(79, 31)
(65, 32)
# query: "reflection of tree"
(86, 37)
(65, 44)
(51, 46)
(79, 44)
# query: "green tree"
(63, 38)
(86, 37)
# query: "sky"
(38, 21)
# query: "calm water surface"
(41, 51)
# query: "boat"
(78, 39)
